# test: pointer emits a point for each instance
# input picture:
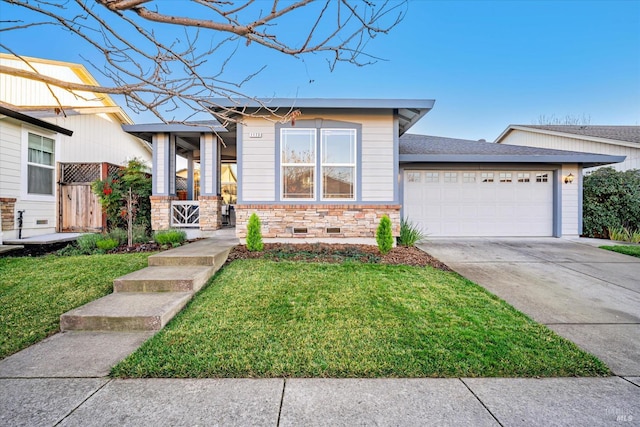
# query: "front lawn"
(35, 291)
(259, 318)
(623, 249)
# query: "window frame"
(354, 165)
(313, 165)
(25, 163)
(318, 125)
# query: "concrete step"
(210, 252)
(126, 311)
(165, 279)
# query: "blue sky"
(487, 64)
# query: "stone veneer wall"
(354, 221)
(8, 213)
(210, 212)
(161, 212)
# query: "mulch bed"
(308, 252)
(338, 253)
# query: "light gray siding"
(258, 174)
(537, 139)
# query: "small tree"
(384, 237)
(125, 197)
(254, 234)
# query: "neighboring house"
(340, 164)
(612, 140)
(30, 154)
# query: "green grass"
(35, 291)
(259, 318)
(623, 249)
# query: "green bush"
(254, 234)
(87, 243)
(384, 237)
(140, 234)
(410, 233)
(170, 237)
(106, 244)
(611, 200)
(119, 235)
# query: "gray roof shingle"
(426, 148)
(617, 133)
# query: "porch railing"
(185, 213)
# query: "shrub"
(170, 237)
(611, 201)
(410, 233)
(119, 235)
(624, 234)
(87, 243)
(106, 244)
(140, 234)
(384, 236)
(254, 234)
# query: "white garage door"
(480, 203)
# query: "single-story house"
(611, 140)
(31, 154)
(328, 169)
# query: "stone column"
(161, 212)
(210, 213)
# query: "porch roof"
(408, 111)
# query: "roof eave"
(587, 160)
(34, 121)
(565, 135)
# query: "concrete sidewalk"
(319, 402)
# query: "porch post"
(164, 180)
(210, 201)
(190, 179)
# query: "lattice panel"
(112, 170)
(80, 172)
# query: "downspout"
(20, 220)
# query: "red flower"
(107, 191)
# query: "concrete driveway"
(586, 294)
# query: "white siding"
(25, 92)
(11, 185)
(10, 158)
(98, 138)
(570, 195)
(258, 178)
(534, 139)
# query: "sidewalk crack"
(481, 402)
(284, 385)
(83, 402)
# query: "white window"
(486, 176)
(338, 148)
(40, 165)
(523, 177)
(298, 160)
(301, 155)
(542, 177)
(450, 177)
(413, 176)
(505, 177)
(431, 177)
(469, 177)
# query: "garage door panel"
(480, 208)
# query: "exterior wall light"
(568, 179)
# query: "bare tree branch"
(163, 62)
